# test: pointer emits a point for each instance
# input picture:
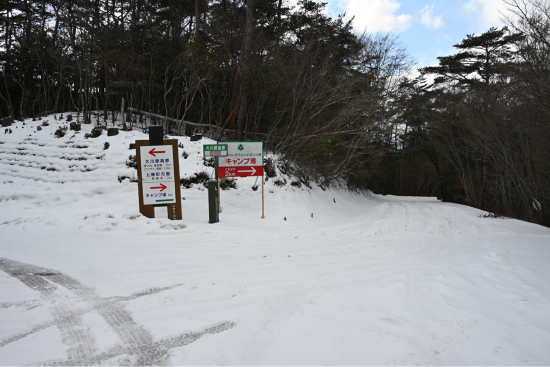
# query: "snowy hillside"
(346, 279)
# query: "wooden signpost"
(158, 174)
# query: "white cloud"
(429, 20)
(293, 4)
(488, 10)
(377, 15)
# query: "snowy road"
(368, 280)
(406, 282)
(81, 349)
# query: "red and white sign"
(244, 159)
(159, 192)
(241, 171)
(240, 162)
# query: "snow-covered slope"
(85, 279)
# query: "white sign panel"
(243, 154)
(159, 192)
(157, 174)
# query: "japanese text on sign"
(217, 150)
(219, 147)
(249, 153)
(239, 162)
(157, 174)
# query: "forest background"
(337, 106)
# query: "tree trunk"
(197, 18)
(250, 6)
(279, 22)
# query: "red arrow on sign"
(153, 152)
(162, 188)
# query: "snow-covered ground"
(368, 280)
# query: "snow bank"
(366, 280)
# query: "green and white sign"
(243, 153)
(214, 150)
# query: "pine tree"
(482, 58)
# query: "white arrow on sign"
(251, 172)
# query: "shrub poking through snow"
(106, 145)
(296, 183)
(124, 177)
(96, 132)
(45, 123)
(198, 178)
(112, 131)
(279, 182)
(269, 168)
(38, 128)
(75, 126)
(229, 183)
(185, 155)
(492, 215)
(60, 132)
(308, 185)
(209, 162)
(285, 168)
(131, 162)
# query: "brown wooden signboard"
(159, 178)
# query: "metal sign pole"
(263, 216)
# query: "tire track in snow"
(28, 304)
(81, 349)
(398, 218)
(393, 219)
(69, 316)
(80, 343)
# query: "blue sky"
(427, 29)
